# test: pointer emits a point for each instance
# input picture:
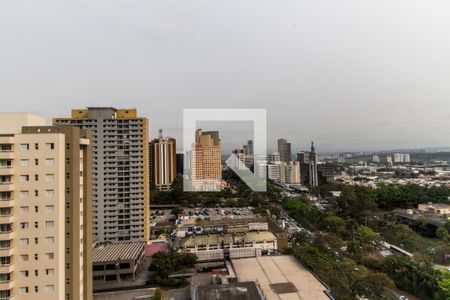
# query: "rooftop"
(235, 291)
(281, 277)
(118, 252)
(215, 239)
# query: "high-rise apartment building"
(293, 172)
(206, 161)
(402, 158)
(45, 180)
(284, 148)
(120, 171)
(163, 162)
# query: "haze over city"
(350, 75)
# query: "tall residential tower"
(120, 171)
(163, 162)
(45, 210)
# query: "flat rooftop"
(118, 252)
(234, 291)
(281, 277)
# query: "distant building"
(402, 158)
(313, 174)
(274, 158)
(273, 172)
(376, 159)
(249, 150)
(325, 173)
(206, 161)
(435, 208)
(303, 158)
(293, 172)
(389, 160)
(162, 162)
(341, 158)
(180, 163)
(284, 148)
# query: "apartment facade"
(163, 162)
(45, 243)
(284, 149)
(121, 193)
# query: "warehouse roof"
(118, 252)
(214, 239)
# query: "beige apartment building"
(45, 210)
(120, 172)
(163, 162)
(206, 160)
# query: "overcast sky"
(351, 75)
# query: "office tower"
(273, 172)
(282, 166)
(248, 148)
(284, 148)
(313, 176)
(162, 162)
(241, 163)
(180, 163)
(325, 172)
(274, 158)
(293, 172)
(206, 164)
(304, 158)
(45, 178)
(120, 171)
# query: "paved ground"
(142, 294)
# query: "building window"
(36, 146)
(24, 273)
(24, 178)
(49, 272)
(50, 208)
(50, 146)
(49, 256)
(24, 257)
(49, 224)
(49, 177)
(24, 194)
(23, 241)
(49, 161)
(24, 162)
(36, 162)
(24, 290)
(49, 288)
(24, 209)
(5, 277)
(24, 146)
(24, 225)
(49, 193)
(50, 240)
(36, 177)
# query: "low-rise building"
(117, 262)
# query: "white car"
(403, 298)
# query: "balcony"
(6, 170)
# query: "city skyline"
(387, 79)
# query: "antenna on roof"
(160, 133)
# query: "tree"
(333, 224)
(374, 286)
(442, 233)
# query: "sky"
(350, 75)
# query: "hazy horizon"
(350, 75)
